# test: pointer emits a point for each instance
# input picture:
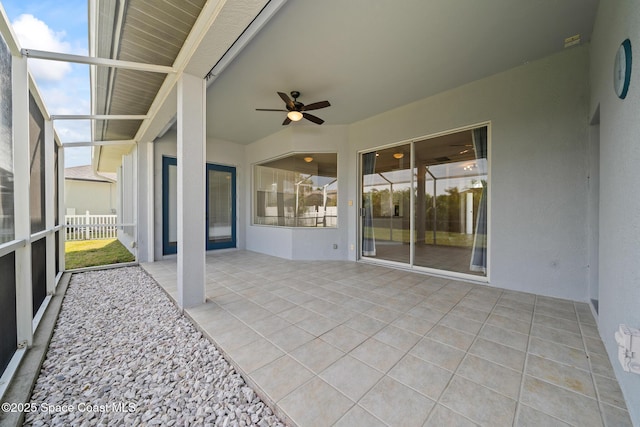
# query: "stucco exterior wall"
(538, 174)
(99, 198)
(563, 154)
(619, 229)
(538, 221)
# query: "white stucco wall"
(99, 198)
(538, 177)
(537, 149)
(619, 237)
(218, 152)
(562, 191)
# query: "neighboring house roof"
(86, 173)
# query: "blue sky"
(58, 26)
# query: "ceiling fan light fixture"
(398, 155)
(294, 116)
(308, 159)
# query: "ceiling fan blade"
(269, 109)
(286, 121)
(312, 118)
(316, 106)
(287, 100)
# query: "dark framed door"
(169, 205)
(220, 231)
(221, 207)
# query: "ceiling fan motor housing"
(297, 104)
(299, 108)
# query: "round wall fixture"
(622, 69)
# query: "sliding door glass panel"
(386, 197)
(221, 224)
(451, 202)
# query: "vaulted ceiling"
(367, 57)
(364, 56)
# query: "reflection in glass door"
(386, 198)
(221, 209)
(451, 202)
(448, 181)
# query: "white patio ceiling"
(364, 57)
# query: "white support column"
(145, 202)
(150, 203)
(21, 178)
(191, 190)
(50, 205)
(61, 210)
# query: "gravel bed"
(122, 354)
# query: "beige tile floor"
(354, 344)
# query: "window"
(300, 190)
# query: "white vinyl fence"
(91, 227)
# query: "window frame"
(411, 264)
(299, 155)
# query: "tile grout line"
(591, 373)
(385, 374)
(524, 374)
(538, 304)
(525, 365)
(444, 389)
(317, 375)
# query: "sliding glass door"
(430, 210)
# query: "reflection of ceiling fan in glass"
(296, 110)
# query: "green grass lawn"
(443, 238)
(89, 253)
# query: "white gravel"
(122, 354)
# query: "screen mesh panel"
(8, 327)
(38, 272)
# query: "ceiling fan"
(296, 110)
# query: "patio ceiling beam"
(205, 20)
(203, 24)
(104, 62)
(99, 117)
(95, 143)
(9, 36)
